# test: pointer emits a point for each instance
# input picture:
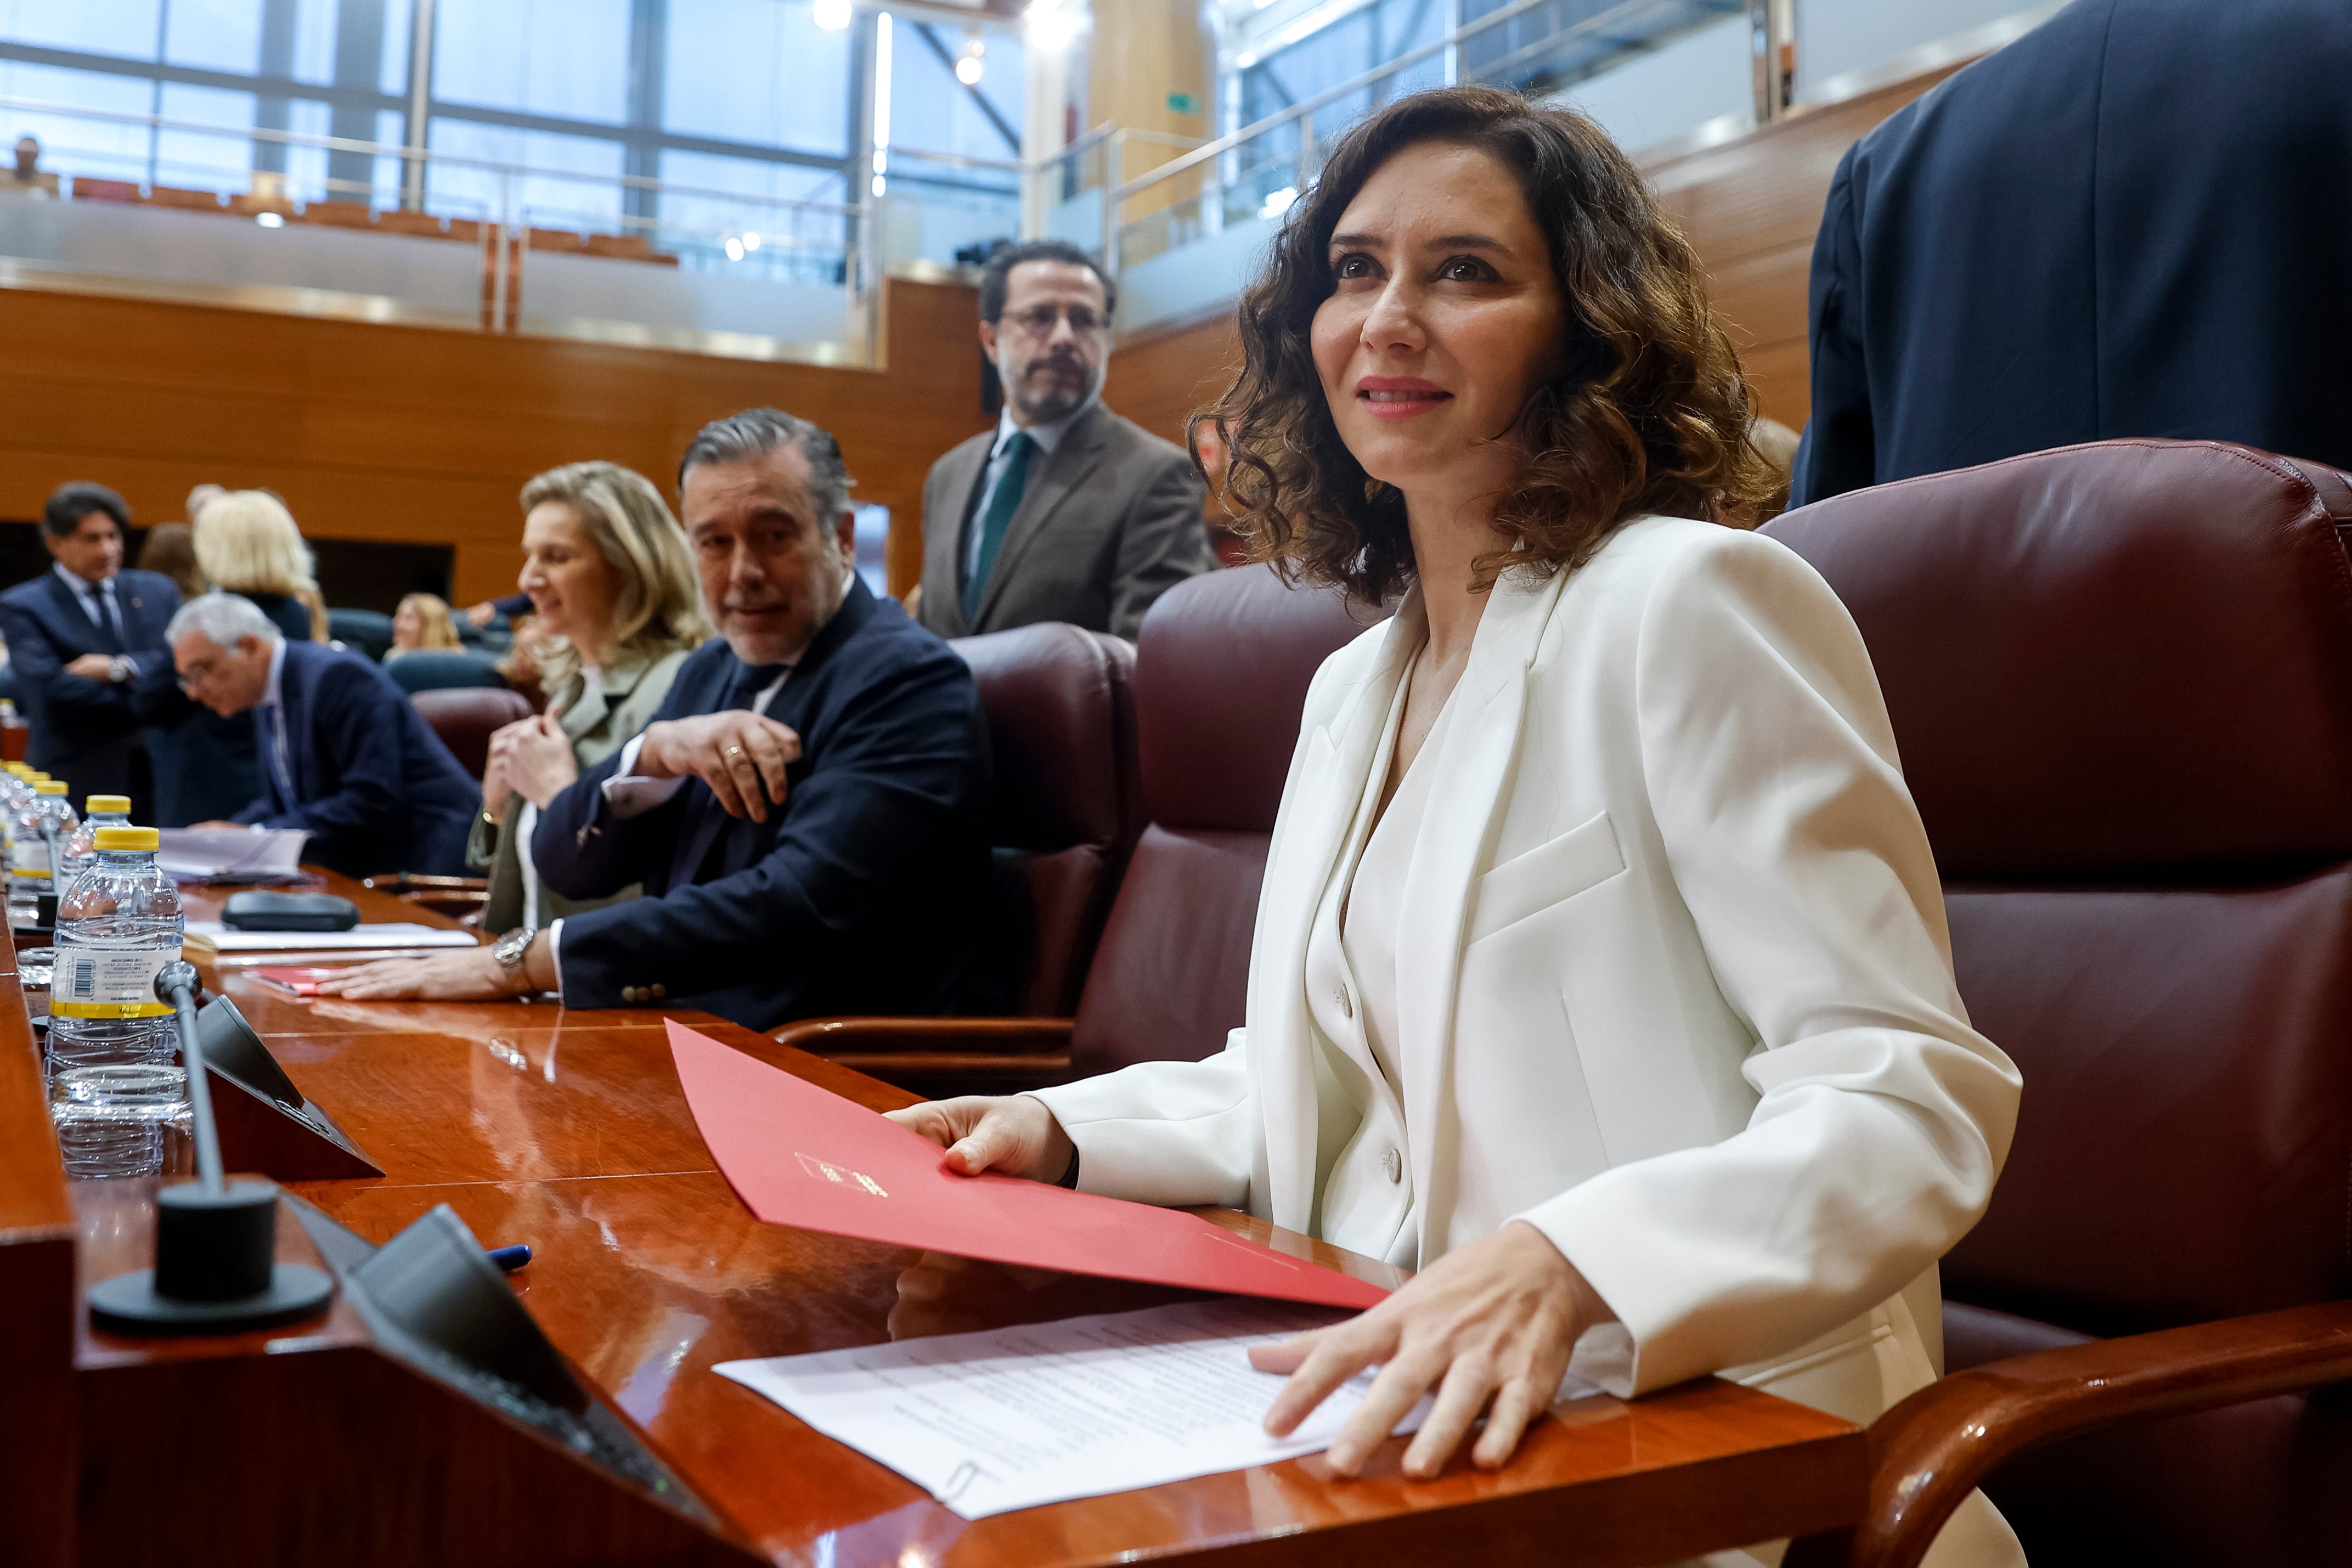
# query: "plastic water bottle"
(16, 789)
(49, 814)
(80, 851)
(119, 1103)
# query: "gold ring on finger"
(734, 750)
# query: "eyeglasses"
(1037, 321)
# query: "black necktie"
(109, 629)
(704, 829)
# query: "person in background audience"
(511, 606)
(606, 567)
(1601, 974)
(170, 551)
(519, 665)
(26, 179)
(204, 766)
(345, 755)
(2045, 250)
(202, 496)
(246, 543)
(805, 809)
(1064, 512)
(421, 623)
(86, 641)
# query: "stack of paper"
(232, 854)
(211, 936)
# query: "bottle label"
(29, 857)
(109, 982)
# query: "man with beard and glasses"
(804, 810)
(1064, 512)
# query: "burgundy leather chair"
(2120, 676)
(1222, 669)
(465, 717)
(1065, 806)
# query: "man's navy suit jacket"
(2133, 221)
(83, 729)
(865, 892)
(373, 782)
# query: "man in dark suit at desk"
(344, 754)
(2130, 222)
(86, 638)
(804, 810)
(1064, 512)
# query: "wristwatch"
(510, 949)
(119, 668)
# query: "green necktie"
(1000, 507)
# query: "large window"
(557, 114)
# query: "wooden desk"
(567, 1131)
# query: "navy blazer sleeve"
(582, 850)
(348, 721)
(892, 768)
(92, 704)
(1839, 452)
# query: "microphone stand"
(216, 1240)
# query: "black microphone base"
(215, 1269)
(129, 1304)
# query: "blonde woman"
(421, 625)
(248, 545)
(612, 586)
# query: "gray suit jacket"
(1111, 522)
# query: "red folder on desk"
(799, 1156)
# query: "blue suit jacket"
(2133, 221)
(373, 782)
(83, 730)
(865, 893)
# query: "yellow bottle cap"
(19, 769)
(114, 804)
(128, 838)
(35, 774)
(50, 786)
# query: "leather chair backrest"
(2120, 676)
(466, 717)
(1222, 666)
(431, 669)
(1064, 805)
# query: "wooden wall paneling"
(427, 434)
(1159, 377)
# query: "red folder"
(799, 1156)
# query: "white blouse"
(1367, 1197)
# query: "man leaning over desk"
(804, 808)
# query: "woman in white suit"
(1600, 972)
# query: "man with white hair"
(345, 755)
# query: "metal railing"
(520, 217)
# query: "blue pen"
(510, 1259)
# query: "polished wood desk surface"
(567, 1131)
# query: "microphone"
(216, 1240)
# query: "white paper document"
(213, 936)
(1009, 1418)
(231, 853)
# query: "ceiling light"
(967, 70)
(1053, 24)
(751, 242)
(734, 249)
(832, 15)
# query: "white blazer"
(1673, 975)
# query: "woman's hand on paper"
(1489, 1326)
(1014, 1134)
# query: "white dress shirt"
(81, 588)
(1047, 438)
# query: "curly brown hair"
(1648, 412)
